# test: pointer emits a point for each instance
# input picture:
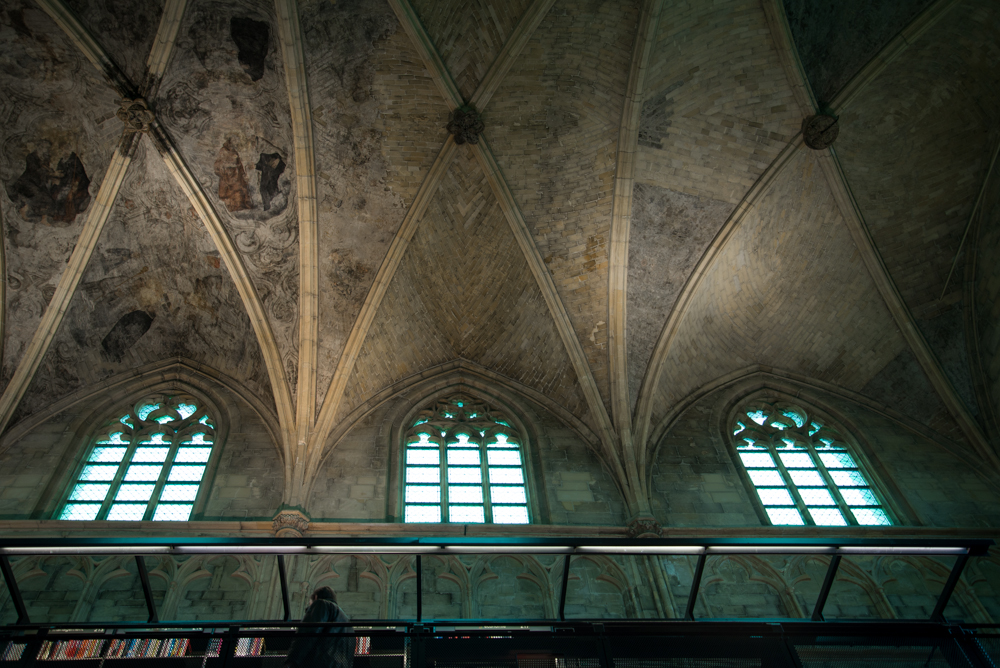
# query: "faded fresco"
(57, 134)
(155, 288)
(224, 102)
(378, 124)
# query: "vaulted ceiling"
(639, 221)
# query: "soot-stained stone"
(42, 194)
(234, 190)
(835, 39)
(271, 167)
(251, 38)
(126, 332)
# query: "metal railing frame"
(281, 547)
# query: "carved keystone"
(466, 124)
(135, 114)
(290, 523)
(819, 131)
(643, 527)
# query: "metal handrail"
(419, 546)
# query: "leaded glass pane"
(771, 478)
(193, 455)
(508, 495)
(462, 442)
(464, 514)
(147, 454)
(132, 492)
(796, 460)
(848, 478)
(179, 493)
(423, 494)
(502, 441)
(131, 512)
(807, 478)
(102, 472)
(510, 514)
(810, 454)
(172, 512)
(506, 476)
(757, 460)
(107, 454)
(859, 497)
(503, 458)
(423, 456)
(186, 473)
(466, 475)
(80, 511)
(784, 516)
(775, 497)
(143, 472)
(463, 457)
(828, 517)
(145, 465)
(186, 410)
(837, 460)
(817, 497)
(89, 492)
(422, 514)
(465, 494)
(468, 427)
(423, 474)
(871, 516)
(144, 411)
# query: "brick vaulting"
(637, 235)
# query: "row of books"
(249, 647)
(13, 651)
(70, 649)
(147, 648)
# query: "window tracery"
(802, 470)
(464, 456)
(146, 463)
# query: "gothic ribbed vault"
(638, 218)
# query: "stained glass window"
(802, 471)
(463, 463)
(146, 463)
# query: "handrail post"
(140, 565)
(15, 591)
(695, 584)
(824, 592)
(420, 587)
(949, 587)
(564, 588)
(283, 577)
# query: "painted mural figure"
(335, 647)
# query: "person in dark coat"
(329, 648)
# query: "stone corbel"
(643, 527)
(290, 522)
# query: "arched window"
(802, 470)
(465, 456)
(146, 463)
